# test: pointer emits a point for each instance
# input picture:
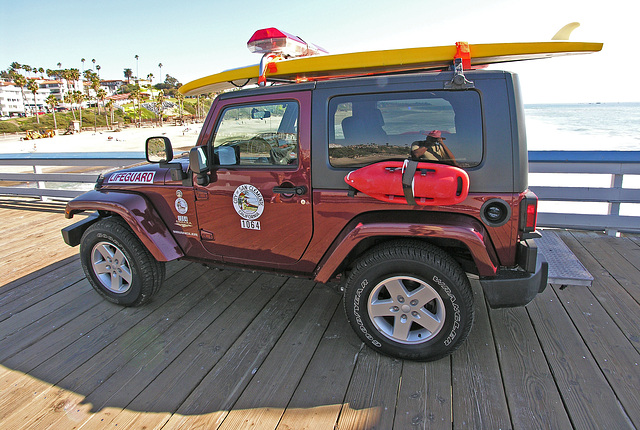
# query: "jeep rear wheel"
(117, 265)
(410, 300)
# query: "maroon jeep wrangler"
(264, 189)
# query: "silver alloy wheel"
(406, 310)
(111, 267)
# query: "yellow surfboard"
(386, 61)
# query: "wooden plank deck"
(229, 350)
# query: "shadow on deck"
(224, 349)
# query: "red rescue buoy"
(433, 184)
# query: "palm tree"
(41, 71)
(101, 94)
(65, 75)
(20, 81)
(160, 66)
(53, 102)
(88, 75)
(95, 86)
(160, 104)
(137, 72)
(68, 99)
(74, 75)
(180, 98)
(135, 95)
(82, 60)
(15, 66)
(139, 106)
(110, 106)
(34, 87)
(78, 97)
(59, 65)
(127, 74)
(98, 69)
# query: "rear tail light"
(528, 212)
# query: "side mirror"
(199, 165)
(158, 149)
(198, 160)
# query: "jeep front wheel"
(117, 265)
(410, 300)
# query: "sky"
(197, 38)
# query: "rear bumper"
(517, 287)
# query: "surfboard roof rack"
(459, 80)
(461, 61)
(290, 59)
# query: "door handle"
(302, 189)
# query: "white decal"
(456, 311)
(132, 178)
(356, 313)
(183, 221)
(250, 225)
(185, 233)
(181, 205)
(248, 202)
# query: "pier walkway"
(230, 350)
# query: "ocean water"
(583, 127)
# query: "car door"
(257, 207)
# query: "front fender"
(138, 212)
(457, 227)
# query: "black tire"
(409, 300)
(117, 265)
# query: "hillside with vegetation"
(99, 117)
(147, 103)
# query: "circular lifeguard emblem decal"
(181, 206)
(248, 202)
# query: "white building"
(111, 86)
(12, 102)
(45, 89)
(58, 88)
(10, 99)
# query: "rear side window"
(439, 126)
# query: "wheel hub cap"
(111, 267)
(406, 309)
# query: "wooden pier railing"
(46, 181)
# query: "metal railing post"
(41, 184)
(614, 207)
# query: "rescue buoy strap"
(408, 172)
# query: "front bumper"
(517, 287)
(73, 234)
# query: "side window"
(439, 126)
(263, 134)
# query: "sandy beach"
(129, 139)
